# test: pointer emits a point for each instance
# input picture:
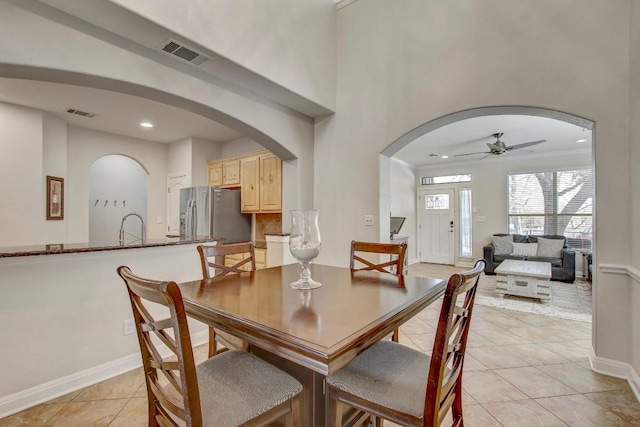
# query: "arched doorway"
(488, 213)
(117, 190)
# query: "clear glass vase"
(305, 243)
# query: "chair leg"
(293, 418)
(213, 345)
(456, 406)
(334, 415)
(396, 335)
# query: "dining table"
(309, 333)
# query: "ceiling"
(472, 135)
(115, 112)
(122, 114)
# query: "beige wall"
(402, 66)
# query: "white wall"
(400, 66)
(290, 42)
(23, 194)
(201, 151)
(403, 202)
(239, 146)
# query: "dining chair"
(213, 266)
(393, 382)
(235, 388)
(393, 266)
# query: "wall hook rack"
(97, 200)
(105, 203)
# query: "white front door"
(437, 227)
(175, 181)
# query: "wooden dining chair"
(213, 266)
(405, 386)
(393, 266)
(232, 389)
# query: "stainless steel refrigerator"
(213, 212)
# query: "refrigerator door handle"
(191, 218)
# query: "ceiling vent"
(80, 113)
(175, 49)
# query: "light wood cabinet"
(259, 176)
(260, 259)
(270, 183)
(231, 173)
(261, 183)
(250, 184)
(214, 173)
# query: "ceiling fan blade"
(469, 154)
(526, 144)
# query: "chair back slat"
(180, 399)
(212, 268)
(445, 372)
(398, 249)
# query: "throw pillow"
(525, 249)
(550, 248)
(502, 244)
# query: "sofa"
(548, 249)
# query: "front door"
(437, 227)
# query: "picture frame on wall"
(55, 198)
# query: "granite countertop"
(65, 248)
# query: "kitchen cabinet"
(250, 187)
(231, 173)
(214, 173)
(270, 183)
(261, 178)
(260, 259)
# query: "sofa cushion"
(550, 248)
(502, 244)
(525, 249)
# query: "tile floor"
(521, 369)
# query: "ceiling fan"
(499, 147)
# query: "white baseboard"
(414, 261)
(614, 368)
(41, 393)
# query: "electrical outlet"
(368, 220)
(159, 219)
(129, 327)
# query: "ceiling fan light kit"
(497, 148)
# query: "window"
(445, 179)
(465, 222)
(558, 202)
(437, 201)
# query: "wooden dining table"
(311, 333)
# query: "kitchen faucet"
(122, 232)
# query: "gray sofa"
(562, 268)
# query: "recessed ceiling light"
(444, 157)
(146, 125)
(581, 140)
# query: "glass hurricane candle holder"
(305, 243)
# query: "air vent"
(184, 53)
(80, 113)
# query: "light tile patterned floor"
(521, 369)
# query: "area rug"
(568, 300)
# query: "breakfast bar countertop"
(66, 248)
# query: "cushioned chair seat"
(390, 367)
(236, 386)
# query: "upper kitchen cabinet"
(214, 173)
(224, 172)
(261, 177)
(231, 173)
(270, 183)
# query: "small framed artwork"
(55, 197)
